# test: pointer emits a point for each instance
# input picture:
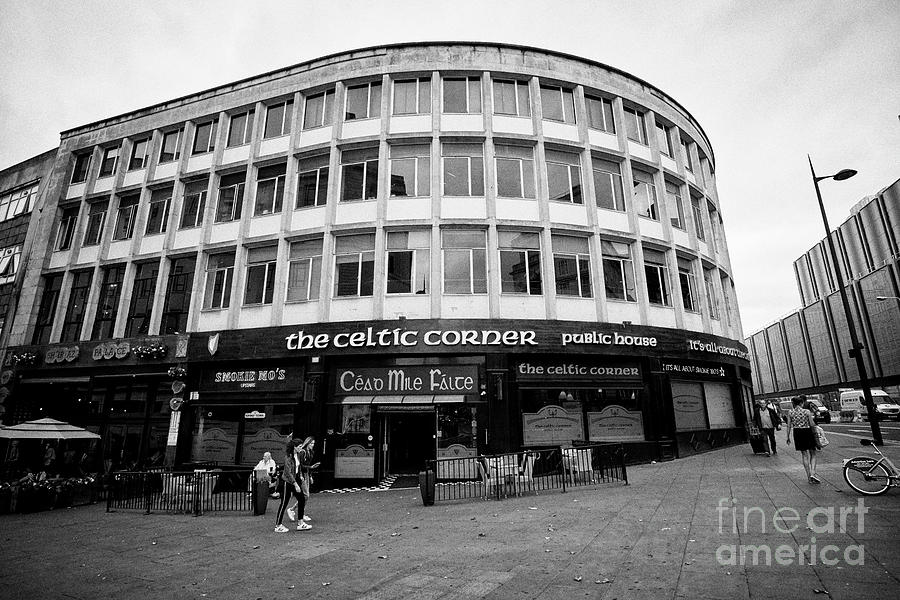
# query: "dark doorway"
(410, 441)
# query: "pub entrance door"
(408, 440)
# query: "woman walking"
(304, 456)
(800, 423)
(290, 487)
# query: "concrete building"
(410, 251)
(808, 350)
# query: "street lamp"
(856, 347)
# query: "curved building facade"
(410, 251)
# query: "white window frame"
(652, 199)
(609, 127)
(162, 146)
(100, 218)
(686, 276)
(312, 287)
(323, 119)
(526, 256)
(369, 107)
(236, 208)
(563, 107)
(469, 110)
(516, 84)
(163, 224)
(277, 195)
(420, 83)
(662, 277)
(522, 174)
(106, 157)
(246, 134)
(65, 231)
(419, 254)
(286, 116)
(570, 168)
(268, 267)
(639, 120)
(621, 264)
(134, 149)
(319, 174)
(472, 262)
(210, 145)
(361, 256)
(712, 300)
(129, 210)
(224, 299)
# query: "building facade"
(410, 251)
(808, 351)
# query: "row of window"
(461, 95)
(18, 202)
(463, 174)
(408, 271)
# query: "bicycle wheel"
(866, 479)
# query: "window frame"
(73, 320)
(109, 163)
(525, 171)
(638, 121)
(676, 200)
(47, 309)
(106, 324)
(246, 135)
(325, 117)
(237, 205)
(619, 264)
(563, 105)
(657, 273)
(421, 82)
(687, 282)
(221, 299)
(268, 266)
(142, 162)
(287, 111)
(530, 257)
(129, 212)
(519, 100)
(448, 146)
(313, 272)
(582, 261)
(208, 144)
(473, 261)
(82, 167)
(472, 84)
(365, 280)
(651, 200)
(368, 190)
(712, 300)
(420, 184)
(697, 213)
(163, 223)
(321, 185)
(278, 181)
(98, 217)
(606, 114)
(65, 229)
(138, 323)
(572, 168)
(201, 207)
(183, 278)
(176, 154)
(371, 100)
(666, 149)
(419, 254)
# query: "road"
(890, 430)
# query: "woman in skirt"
(800, 424)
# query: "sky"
(769, 82)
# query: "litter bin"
(260, 491)
(426, 487)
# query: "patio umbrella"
(46, 429)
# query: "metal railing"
(527, 472)
(193, 492)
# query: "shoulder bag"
(821, 440)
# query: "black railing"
(194, 492)
(527, 472)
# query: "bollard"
(426, 487)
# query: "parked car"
(820, 412)
(885, 407)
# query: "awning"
(406, 400)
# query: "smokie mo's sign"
(246, 379)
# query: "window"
(269, 190)
(657, 274)
(312, 185)
(66, 228)
(363, 101)
(171, 146)
(142, 296)
(47, 310)
(511, 98)
(109, 162)
(231, 198)
(572, 266)
(240, 129)
(686, 153)
(108, 303)
(125, 217)
(463, 169)
(515, 171)
(635, 127)
(697, 213)
(305, 270)
(618, 271)
(260, 287)
(408, 262)
(96, 218)
(600, 114)
(712, 299)
(219, 276)
(194, 204)
(645, 200)
(520, 263)
(319, 110)
(411, 170)
(178, 296)
(608, 184)
(465, 261)
(9, 263)
(664, 139)
(278, 119)
(688, 284)
(564, 176)
(359, 174)
(82, 167)
(139, 150)
(204, 138)
(354, 265)
(412, 97)
(558, 104)
(675, 205)
(462, 95)
(18, 202)
(158, 213)
(81, 287)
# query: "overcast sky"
(769, 81)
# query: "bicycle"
(868, 476)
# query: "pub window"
(354, 265)
(312, 181)
(260, 287)
(645, 198)
(170, 150)
(205, 137)
(412, 96)
(78, 295)
(219, 275)
(564, 176)
(47, 310)
(408, 261)
(305, 270)
(511, 98)
(108, 303)
(463, 169)
(109, 162)
(572, 266)
(278, 119)
(231, 198)
(515, 171)
(363, 101)
(319, 110)
(359, 174)
(600, 114)
(142, 295)
(125, 217)
(194, 204)
(158, 212)
(520, 263)
(462, 95)
(411, 170)
(465, 261)
(96, 219)
(240, 129)
(557, 104)
(269, 190)
(657, 274)
(618, 271)
(65, 230)
(688, 283)
(139, 152)
(178, 296)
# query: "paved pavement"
(666, 535)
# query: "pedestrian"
(768, 420)
(305, 454)
(290, 487)
(800, 423)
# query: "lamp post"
(856, 349)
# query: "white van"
(885, 407)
